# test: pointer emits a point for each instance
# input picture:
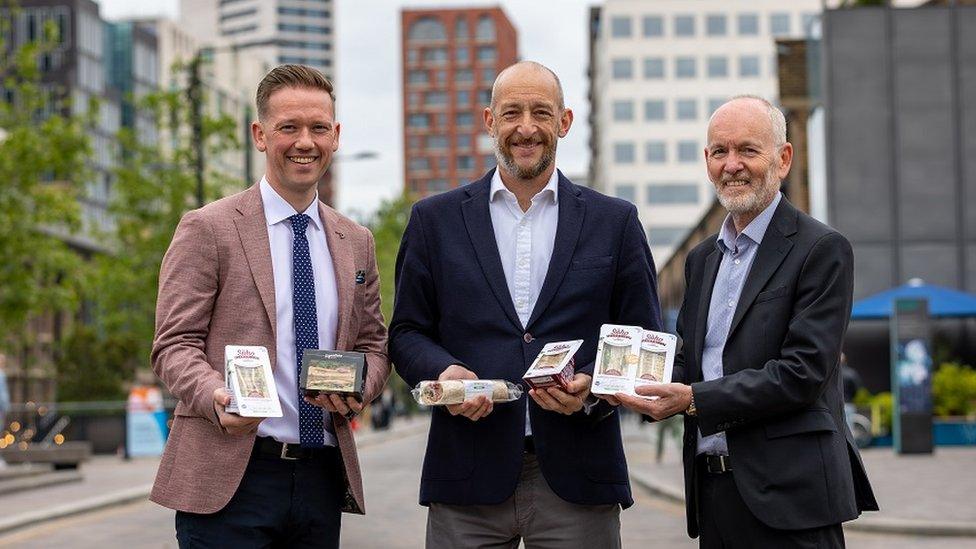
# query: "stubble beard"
(507, 161)
(753, 202)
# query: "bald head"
(757, 108)
(527, 71)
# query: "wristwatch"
(691, 410)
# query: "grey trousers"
(534, 514)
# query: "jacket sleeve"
(794, 380)
(188, 286)
(371, 339)
(415, 349)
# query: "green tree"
(154, 186)
(43, 152)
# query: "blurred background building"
(450, 60)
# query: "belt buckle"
(284, 452)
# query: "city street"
(394, 521)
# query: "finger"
(481, 411)
(454, 409)
(565, 400)
(634, 403)
(546, 401)
(658, 390)
(339, 404)
(579, 383)
(221, 396)
(354, 405)
(612, 400)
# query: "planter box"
(945, 432)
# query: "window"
(665, 236)
(653, 26)
(688, 151)
(718, 66)
(463, 76)
(714, 103)
(486, 53)
(285, 27)
(779, 24)
(462, 55)
(685, 67)
(655, 152)
(490, 161)
(488, 75)
(484, 97)
(465, 162)
(435, 99)
(435, 56)
(620, 26)
(461, 29)
(748, 24)
(684, 25)
(653, 68)
(485, 29)
(622, 68)
(654, 110)
(438, 185)
(419, 164)
(715, 25)
(464, 119)
(686, 109)
(809, 21)
(418, 121)
(672, 193)
(418, 77)
(749, 66)
(463, 142)
(623, 110)
(302, 12)
(463, 98)
(623, 153)
(627, 191)
(437, 142)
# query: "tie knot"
(299, 222)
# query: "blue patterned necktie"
(310, 423)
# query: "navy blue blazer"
(453, 307)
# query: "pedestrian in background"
(768, 459)
(486, 275)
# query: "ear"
(489, 122)
(335, 142)
(257, 134)
(785, 160)
(565, 121)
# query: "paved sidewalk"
(918, 495)
(109, 480)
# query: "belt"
(529, 446)
(715, 464)
(267, 446)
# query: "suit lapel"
(252, 228)
(344, 264)
(571, 211)
(477, 221)
(771, 253)
(712, 262)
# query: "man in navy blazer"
(486, 275)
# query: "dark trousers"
(279, 503)
(726, 523)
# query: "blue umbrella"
(943, 302)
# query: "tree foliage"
(43, 152)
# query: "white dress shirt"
(276, 212)
(525, 241)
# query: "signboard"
(911, 376)
(145, 422)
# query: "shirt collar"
(755, 230)
(277, 209)
(551, 189)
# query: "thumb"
(578, 383)
(221, 396)
(657, 389)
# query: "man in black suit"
(486, 275)
(769, 461)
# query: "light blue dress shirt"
(738, 252)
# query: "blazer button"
(527, 337)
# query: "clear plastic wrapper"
(456, 391)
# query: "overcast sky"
(368, 82)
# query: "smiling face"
(525, 120)
(298, 135)
(743, 159)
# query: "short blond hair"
(291, 76)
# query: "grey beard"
(531, 173)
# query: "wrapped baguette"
(456, 391)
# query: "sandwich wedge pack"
(250, 382)
(554, 365)
(630, 356)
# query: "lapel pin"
(341, 236)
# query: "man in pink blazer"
(269, 266)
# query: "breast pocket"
(770, 295)
(585, 263)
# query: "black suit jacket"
(453, 307)
(780, 400)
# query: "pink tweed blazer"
(216, 288)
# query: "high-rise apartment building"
(450, 60)
(658, 69)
